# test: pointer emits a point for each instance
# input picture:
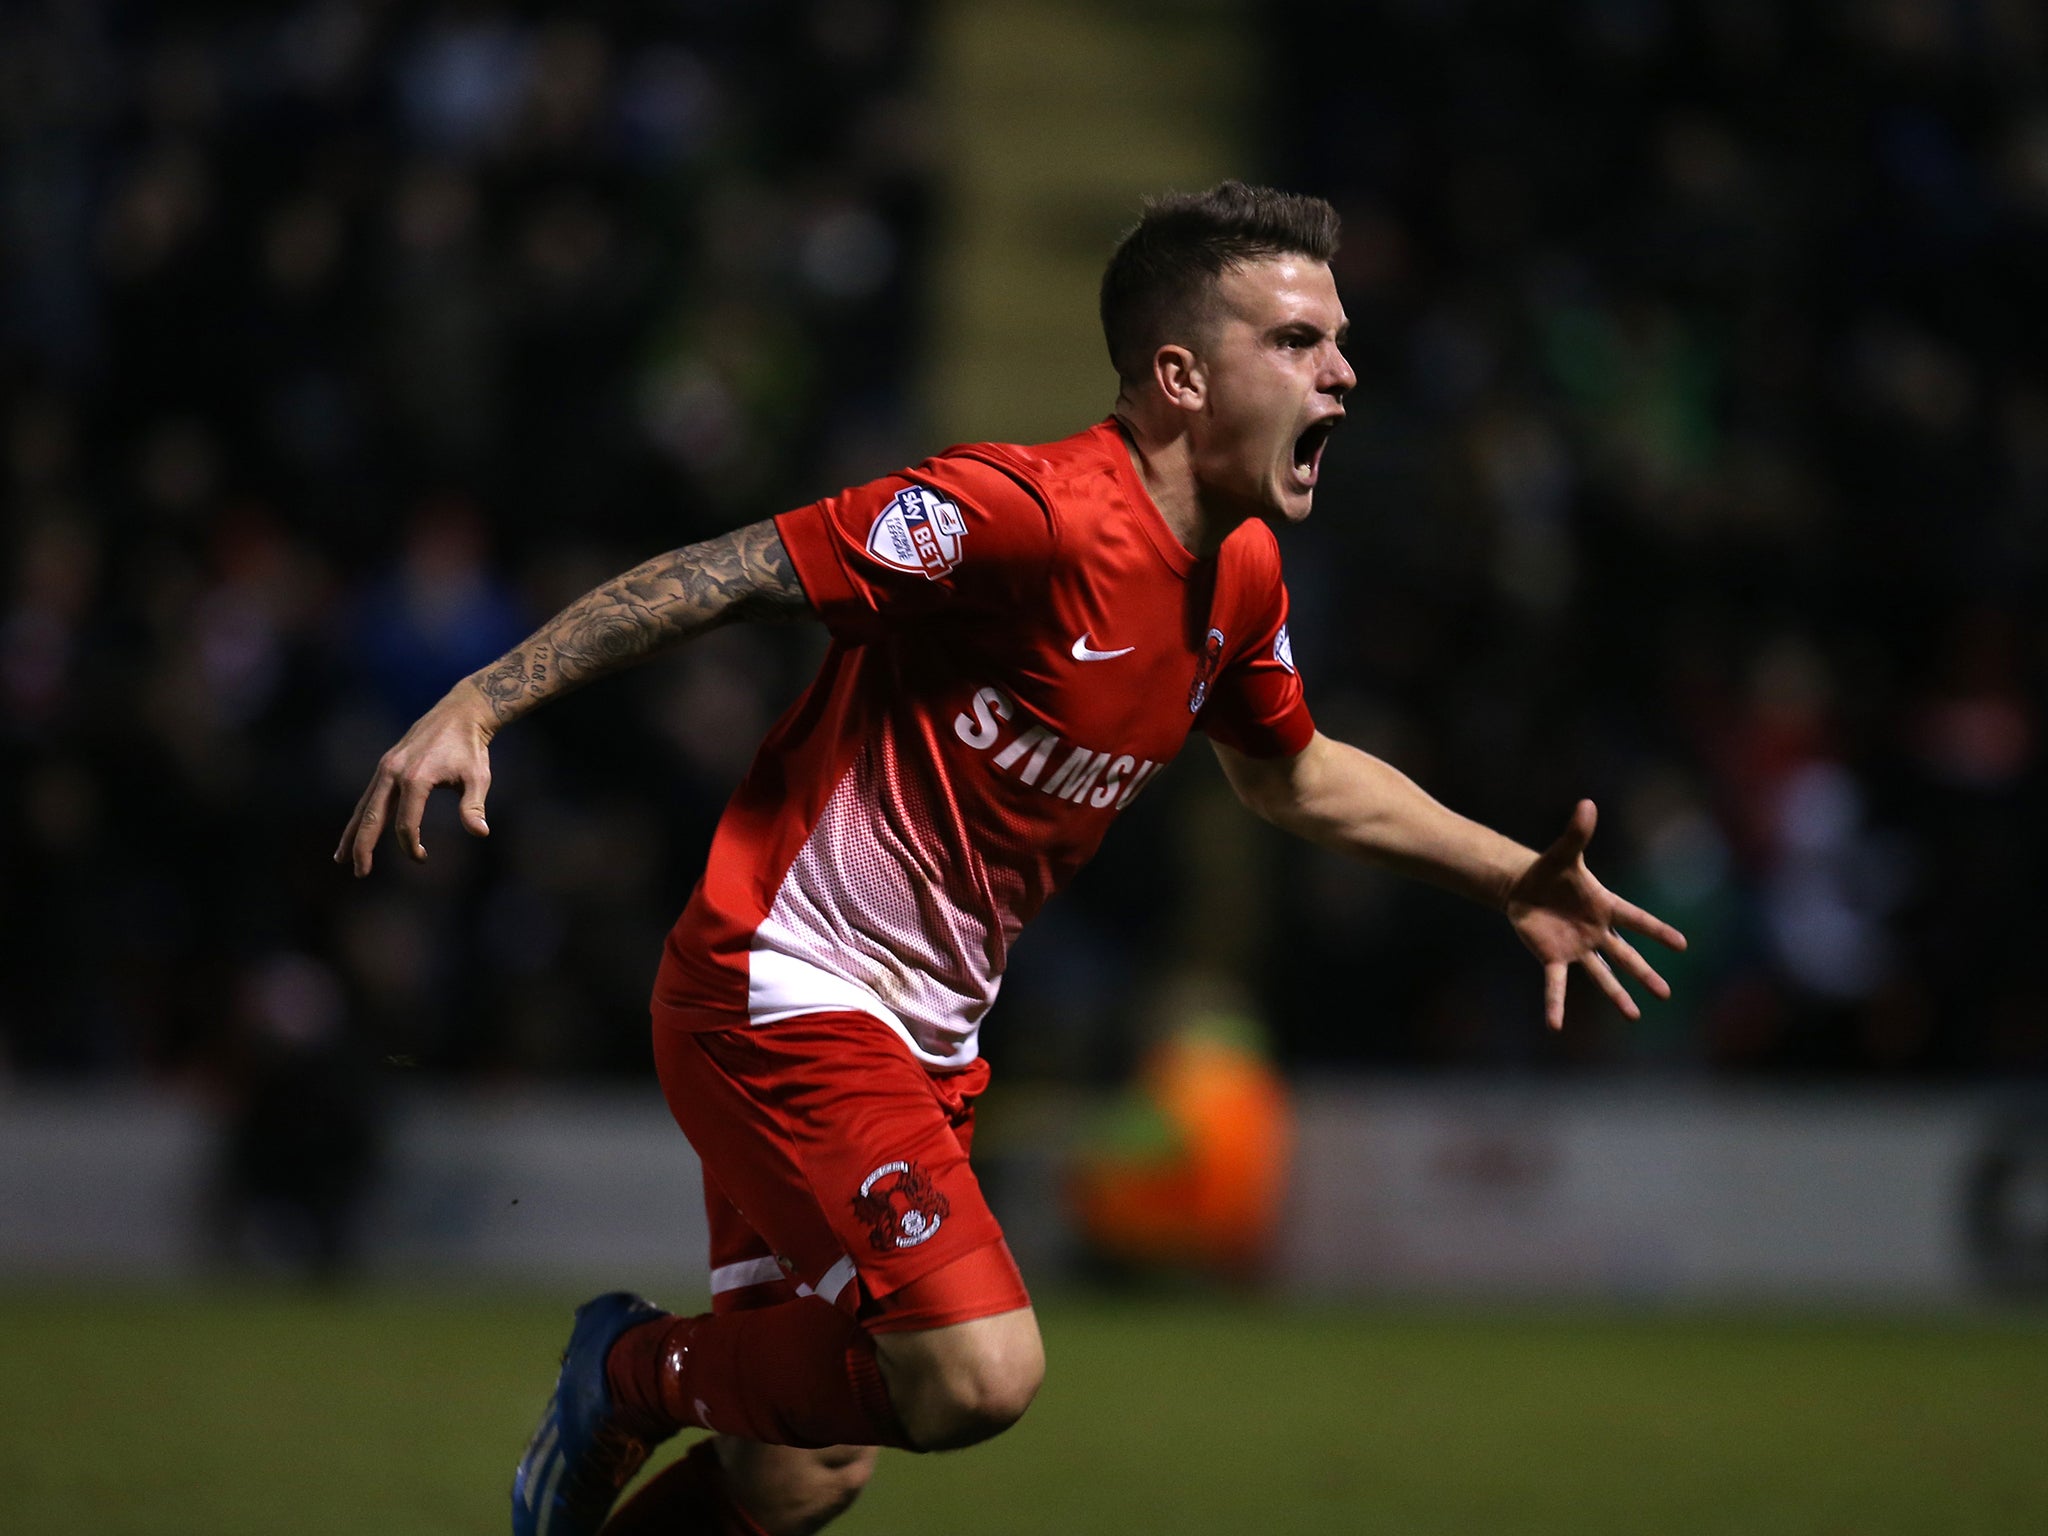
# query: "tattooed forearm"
(742, 575)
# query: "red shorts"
(835, 1165)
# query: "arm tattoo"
(666, 600)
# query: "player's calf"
(802, 1373)
(959, 1385)
(951, 1359)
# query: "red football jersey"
(1019, 644)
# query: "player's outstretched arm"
(659, 603)
(1348, 800)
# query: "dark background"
(1699, 464)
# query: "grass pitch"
(260, 1412)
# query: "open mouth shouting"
(1308, 449)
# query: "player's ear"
(1180, 377)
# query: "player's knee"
(998, 1396)
(968, 1395)
(968, 1409)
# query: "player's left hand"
(1568, 918)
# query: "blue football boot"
(581, 1456)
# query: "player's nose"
(1338, 377)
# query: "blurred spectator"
(301, 1149)
(438, 617)
(1187, 1173)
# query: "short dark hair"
(1167, 264)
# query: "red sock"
(689, 1498)
(802, 1373)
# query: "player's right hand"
(449, 744)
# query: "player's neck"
(1166, 469)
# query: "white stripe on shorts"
(733, 1277)
(834, 1280)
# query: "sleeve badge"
(919, 531)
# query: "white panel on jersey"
(781, 986)
(858, 922)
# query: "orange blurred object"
(1206, 1193)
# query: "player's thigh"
(790, 1491)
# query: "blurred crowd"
(1699, 464)
(340, 342)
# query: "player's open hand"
(449, 744)
(1568, 918)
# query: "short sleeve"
(954, 534)
(1256, 705)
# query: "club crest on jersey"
(1205, 670)
(901, 1206)
(918, 531)
(1283, 649)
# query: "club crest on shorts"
(1283, 649)
(1205, 670)
(901, 1206)
(918, 531)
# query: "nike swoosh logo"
(1084, 652)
